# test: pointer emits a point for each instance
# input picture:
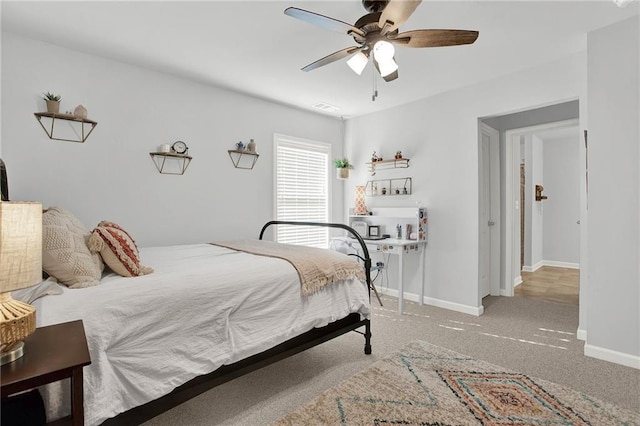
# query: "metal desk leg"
(400, 281)
(421, 273)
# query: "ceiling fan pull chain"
(374, 86)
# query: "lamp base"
(11, 353)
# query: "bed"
(207, 314)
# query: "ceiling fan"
(376, 33)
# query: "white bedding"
(203, 307)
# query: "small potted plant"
(342, 167)
(53, 102)
(398, 155)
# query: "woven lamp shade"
(20, 266)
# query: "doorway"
(525, 246)
(511, 128)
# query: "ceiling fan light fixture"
(383, 51)
(358, 62)
(387, 67)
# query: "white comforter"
(203, 307)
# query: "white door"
(489, 217)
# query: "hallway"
(551, 284)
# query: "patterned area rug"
(428, 385)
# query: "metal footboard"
(365, 258)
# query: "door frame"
(512, 198)
(495, 195)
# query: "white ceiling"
(252, 47)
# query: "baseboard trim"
(517, 281)
(616, 357)
(567, 265)
(458, 307)
(581, 334)
(554, 263)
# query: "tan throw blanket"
(316, 267)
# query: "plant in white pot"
(342, 167)
(53, 102)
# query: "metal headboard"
(4, 183)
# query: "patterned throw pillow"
(65, 255)
(118, 249)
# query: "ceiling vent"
(323, 106)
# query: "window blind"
(302, 190)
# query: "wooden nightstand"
(51, 353)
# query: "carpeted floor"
(424, 384)
(532, 337)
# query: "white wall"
(613, 307)
(111, 176)
(440, 135)
(561, 233)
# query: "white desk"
(400, 248)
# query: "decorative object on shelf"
(375, 157)
(342, 167)
(180, 147)
(53, 102)
(360, 206)
(374, 230)
(539, 196)
(251, 146)
(170, 162)
(240, 146)
(360, 226)
(396, 186)
(243, 159)
(20, 267)
(398, 155)
(80, 112)
(80, 136)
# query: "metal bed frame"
(298, 344)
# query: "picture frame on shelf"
(374, 230)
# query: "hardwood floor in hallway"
(552, 284)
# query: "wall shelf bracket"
(169, 163)
(243, 159)
(81, 133)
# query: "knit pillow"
(118, 249)
(65, 255)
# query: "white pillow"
(65, 255)
(43, 288)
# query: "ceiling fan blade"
(335, 56)
(322, 21)
(435, 38)
(395, 13)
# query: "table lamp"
(20, 267)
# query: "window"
(302, 190)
